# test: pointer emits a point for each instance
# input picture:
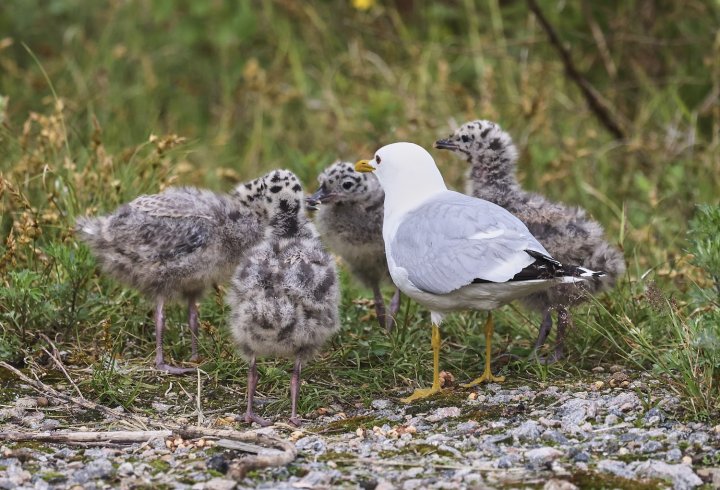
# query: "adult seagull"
(450, 252)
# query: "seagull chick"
(349, 220)
(176, 244)
(449, 251)
(567, 233)
(284, 295)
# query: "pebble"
(542, 456)
(381, 404)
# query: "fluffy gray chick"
(176, 244)
(284, 294)
(565, 231)
(350, 218)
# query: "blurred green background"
(102, 101)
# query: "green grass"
(98, 105)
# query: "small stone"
(598, 385)
(555, 484)
(444, 413)
(26, 402)
(673, 455)
(220, 484)
(468, 426)
(381, 404)
(618, 378)
(699, 438)
(549, 422)
(710, 475)
(581, 457)
(49, 424)
(125, 469)
(218, 463)
(617, 468)
(542, 456)
(528, 430)
(99, 468)
(384, 485)
(160, 407)
(616, 368)
(687, 460)
(611, 420)
(408, 429)
(652, 446)
(682, 476)
(504, 462)
(598, 369)
(555, 436)
(577, 410)
(312, 444)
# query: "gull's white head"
(408, 175)
(404, 168)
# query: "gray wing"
(183, 202)
(454, 239)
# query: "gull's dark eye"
(347, 185)
(377, 159)
(465, 138)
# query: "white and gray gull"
(565, 231)
(284, 294)
(176, 244)
(349, 218)
(450, 252)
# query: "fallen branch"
(588, 91)
(267, 450)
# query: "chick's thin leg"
(564, 320)
(544, 331)
(435, 388)
(395, 303)
(487, 375)
(160, 363)
(193, 322)
(294, 390)
(250, 415)
(383, 319)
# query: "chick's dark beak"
(320, 195)
(445, 144)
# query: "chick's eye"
(347, 185)
(465, 138)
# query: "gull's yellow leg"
(487, 375)
(435, 388)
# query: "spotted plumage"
(176, 244)
(349, 219)
(565, 231)
(284, 294)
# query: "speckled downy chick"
(565, 231)
(284, 295)
(349, 218)
(176, 244)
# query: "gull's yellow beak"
(364, 166)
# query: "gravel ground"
(615, 430)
